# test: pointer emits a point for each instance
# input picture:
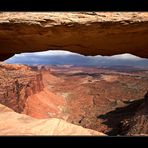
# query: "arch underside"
(31, 32)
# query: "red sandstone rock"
(17, 82)
(45, 104)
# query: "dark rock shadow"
(113, 119)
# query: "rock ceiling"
(88, 33)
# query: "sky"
(53, 57)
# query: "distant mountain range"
(69, 58)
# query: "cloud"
(126, 56)
(52, 52)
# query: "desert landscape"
(65, 90)
(101, 99)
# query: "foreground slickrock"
(12, 123)
(82, 32)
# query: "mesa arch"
(87, 33)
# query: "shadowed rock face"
(139, 122)
(100, 33)
(131, 120)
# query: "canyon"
(22, 92)
(94, 100)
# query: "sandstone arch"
(101, 33)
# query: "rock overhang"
(104, 33)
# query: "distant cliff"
(17, 82)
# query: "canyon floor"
(70, 100)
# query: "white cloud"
(53, 52)
(126, 56)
